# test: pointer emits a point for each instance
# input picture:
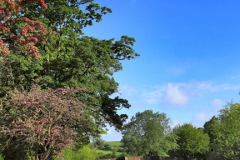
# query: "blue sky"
(189, 57)
(189, 52)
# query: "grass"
(70, 155)
(113, 144)
(76, 156)
(73, 156)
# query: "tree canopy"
(25, 121)
(147, 134)
(193, 142)
(223, 134)
(209, 128)
(67, 60)
(226, 145)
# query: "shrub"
(121, 150)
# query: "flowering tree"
(38, 117)
(11, 8)
(27, 27)
(69, 60)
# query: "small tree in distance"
(148, 134)
(226, 144)
(193, 142)
(37, 119)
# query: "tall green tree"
(193, 142)
(227, 142)
(210, 129)
(67, 60)
(147, 134)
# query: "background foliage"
(146, 135)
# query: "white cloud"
(171, 94)
(180, 94)
(199, 118)
(176, 95)
(206, 86)
(128, 90)
(152, 97)
(202, 116)
(152, 101)
(217, 104)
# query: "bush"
(124, 154)
(106, 156)
(107, 147)
(121, 150)
(100, 155)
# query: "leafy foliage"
(226, 145)
(121, 150)
(107, 147)
(193, 142)
(210, 129)
(99, 144)
(86, 153)
(34, 124)
(124, 155)
(148, 134)
(107, 156)
(67, 60)
(21, 152)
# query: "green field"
(113, 144)
(74, 156)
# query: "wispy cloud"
(127, 90)
(198, 119)
(202, 116)
(152, 97)
(233, 77)
(175, 95)
(217, 104)
(180, 94)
